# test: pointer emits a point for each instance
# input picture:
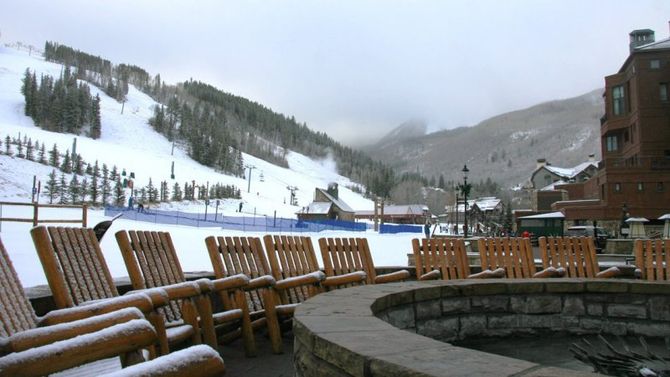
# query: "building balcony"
(637, 164)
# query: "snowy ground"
(128, 142)
(386, 249)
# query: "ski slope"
(128, 142)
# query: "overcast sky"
(357, 68)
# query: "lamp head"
(465, 171)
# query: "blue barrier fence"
(394, 228)
(244, 223)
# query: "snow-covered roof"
(338, 202)
(550, 215)
(658, 45)
(665, 217)
(317, 208)
(571, 172)
(395, 210)
(636, 220)
(487, 203)
(552, 186)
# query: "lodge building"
(634, 173)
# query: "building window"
(617, 187)
(659, 187)
(640, 186)
(618, 100)
(655, 64)
(663, 91)
(612, 143)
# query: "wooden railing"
(36, 207)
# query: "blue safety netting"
(244, 223)
(395, 228)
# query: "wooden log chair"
(652, 259)
(26, 340)
(573, 257)
(514, 255)
(78, 275)
(151, 261)
(293, 261)
(445, 258)
(343, 256)
(235, 255)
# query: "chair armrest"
(92, 308)
(231, 282)
(264, 281)
(109, 342)
(609, 273)
(432, 275)
(186, 362)
(550, 272)
(392, 276)
(351, 277)
(498, 273)
(46, 335)
(308, 279)
(178, 291)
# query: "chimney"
(639, 38)
(541, 162)
(332, 190)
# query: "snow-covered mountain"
(129, 142)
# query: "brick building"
(635, 140)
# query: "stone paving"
(266, 364)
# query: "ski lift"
(262, 177)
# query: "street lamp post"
(465, 189)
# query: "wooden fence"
(36, 208)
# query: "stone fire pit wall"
(404, 328)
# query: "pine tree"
(176, 193)
(78, 164)
(152, 193)
(41, 155)
(8, 146)
(19, 148)
(96, 125)
(93, 190)
(119, 193)
(66, 165)
(105, 188)
(440, 182)
(30, 155)
(83, 190)
(27, 92)
(54, 157)
(73, 189)
(62, 189)
(51, 187)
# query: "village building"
(326, 206)
(633, 178)
(399, 214)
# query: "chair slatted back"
(344, 255)
(16, 313)
(515, 255)
(446, 255)
(291, 256)
(151, 261)
(577, 255)
(652, 258)
(73, 264)
(239, 255)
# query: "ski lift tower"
(294, 200)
